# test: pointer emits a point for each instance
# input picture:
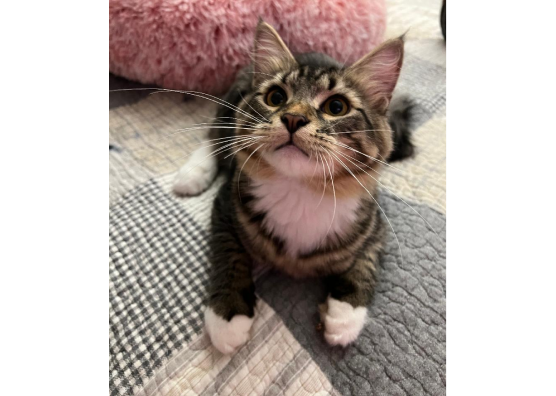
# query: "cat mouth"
(291, 147)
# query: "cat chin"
(290, 161)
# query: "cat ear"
(377, 72)
(271, 54)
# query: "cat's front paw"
(226, 336)
(342, 322)
(197, 174)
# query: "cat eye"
(336, 106)
(276, 97)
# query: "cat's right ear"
(270, 55)
(378, 72)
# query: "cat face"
(319, 119)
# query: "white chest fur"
(299, 217)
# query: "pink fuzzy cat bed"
(201, 44)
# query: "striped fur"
(244, 232)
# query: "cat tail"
(402, 119)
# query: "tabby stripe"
(257, 218)
(365, 116)
(346, 243)
(319, 75)
(284, 78)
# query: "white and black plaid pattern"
(158, 278)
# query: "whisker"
(371, 195)
(355, 159)
(215, 152)
(232, 141)
(213, 99)
(230, 138)
(316, 164)
(193, 93)
(210, 155)
(392, 192)
(242, 98)
(221, 102)
(205, 128)
(210, 125)
(233, 126)
(347, 57)
(362, 130)
(334, 191)
(259, 163)
(324, 180)
(239, 175)
(241, 148)
(368, 156)
(233, 118)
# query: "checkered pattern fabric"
(158, 274)
(158, 259)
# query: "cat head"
(312, 115)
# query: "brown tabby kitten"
(303, 140)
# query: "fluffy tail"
(402, 116)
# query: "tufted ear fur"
(271, 54)
(377, 72)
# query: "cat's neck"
(303, 218)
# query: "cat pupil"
(277, 98)
(336, 107)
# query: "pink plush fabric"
(201, 44)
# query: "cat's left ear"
(271, 54)
(377, 72)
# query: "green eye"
(336, 106)
(276, 97)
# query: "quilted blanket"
(158, 259)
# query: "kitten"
(309, 137)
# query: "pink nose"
(294, 121)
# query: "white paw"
(226, 336)
(342, 322)
(197, 174)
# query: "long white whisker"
(242, 98)
(230, 138)
(324, 180)
(355, 159)
(392, 192)
(212, 154)
(219, 124)
(232, 141)
(259, 163)
(232, 118)
(181, 131)
(316, 164)
(212, 98)
(371, 195)
(368, 156)
(334, 191)
(239, 175)
(205, 128)
(194, 93)
(241, 148)
(217, 151)
(365, 130)
(216, 100)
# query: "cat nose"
(294, 121)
